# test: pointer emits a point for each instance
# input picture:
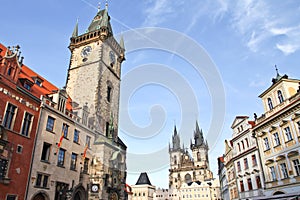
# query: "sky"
(185, 61)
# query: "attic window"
(9, 71)
(27, 86)
(38, 82)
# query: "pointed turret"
(75, 32)
(122, 45)
(175, 140)
(198, 136)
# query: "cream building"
(246, 161)
(278, 135)
(163, 194)
(143, 190)
(205, 190)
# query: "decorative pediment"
(272, 128)
(280, 157)
(283, 122)
(296, 116)
(262, 133)
(293, 153)
(269, 161)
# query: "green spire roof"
(101, 19)
(75, 32)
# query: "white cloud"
(157, 12)
(287, 48)
(258, 23)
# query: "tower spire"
(75, 31)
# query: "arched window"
(239, 147)
(247, 142)
(270, 104)
(198, 156)
(9, 71)
(280, 97)
(188, 178)
(175, 160)
(243, 145)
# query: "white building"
(249, 176)
(143, 189)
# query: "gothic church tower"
(186, 168)
(93, 80)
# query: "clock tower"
(93, 80)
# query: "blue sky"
(244, 40)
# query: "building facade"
(19, 115)
(230, 171)
(277, 132)
(224, 192)
(249, 176)
(63, 143)
(78, 153)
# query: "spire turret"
(122, 45)
(75, 31)
(175, 140)
(198, 136)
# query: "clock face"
(112, 57)
(86, 51)
(95, 188)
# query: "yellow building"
(277, 133)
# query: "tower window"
(109, 90)
(107, 129)
(270, 104)
(280, 97)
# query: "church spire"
(198, 135)
(75, 31)
(175, 140)
(122, 45)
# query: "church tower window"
(270, 104)
(109, 93)
(280, 97)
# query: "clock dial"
(95, 188)
(86, 51)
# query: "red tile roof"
(26, 73)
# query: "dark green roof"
(143, 179)
(101, 19)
